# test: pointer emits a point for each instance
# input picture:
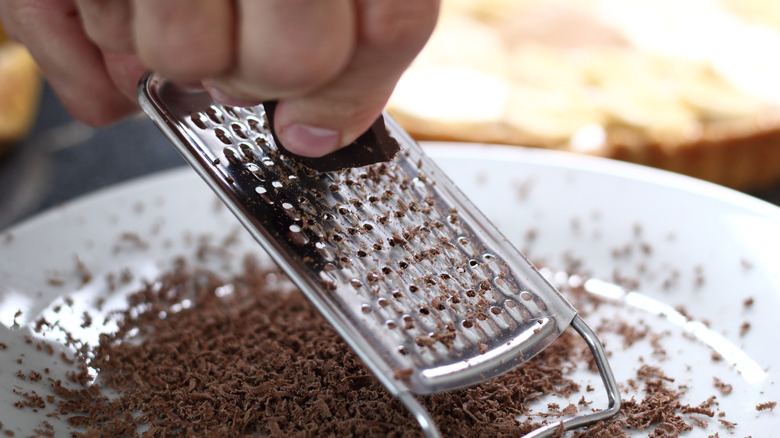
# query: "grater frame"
(424, 318)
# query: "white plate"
(689, 245)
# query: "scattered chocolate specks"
(744, 328)
(724, 388)
(262, 360)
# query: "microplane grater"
(423, 288)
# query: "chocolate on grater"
(374, 146)
(418, 282)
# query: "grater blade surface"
(417, 281)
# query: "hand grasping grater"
(416, 280)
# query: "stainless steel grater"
(418, 282)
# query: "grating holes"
(326, 254)
(198, 119)
(391, 324)
(291, 213)
(467, 323)
(413, 288)
(463, 241)
(470, 293)
(296, 236)
(489, 258)
(223, 135)
(254, 124)
(403, 351)
(215, 114)
(424, 311)
(383, 302)
(248, 151)
(231, 111)
(239, 130)
(525, 295)
(232, 156)
(372, 278)
(262, 143)
(500, 282)
(365, 308)
(264, 194)
(255, 169)
(277, 184)
(473, 263)
(495, 310)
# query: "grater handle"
(613, 393)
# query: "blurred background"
(688, 85)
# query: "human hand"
(332, 65)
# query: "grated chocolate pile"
(197, 354)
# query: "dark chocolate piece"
(374, 146)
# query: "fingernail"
(223, 98)
(309, 141)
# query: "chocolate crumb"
(728, 424)
(766, 406)
(724, 388)
(744, 328)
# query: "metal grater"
(417, 281)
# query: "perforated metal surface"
(417, 281)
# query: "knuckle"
(292, 73)
(180, 56)
(399, 23)
(18, 16)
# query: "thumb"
(314, 126)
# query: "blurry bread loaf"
(20, 86)
(590, 76)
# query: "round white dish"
(698, 252)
